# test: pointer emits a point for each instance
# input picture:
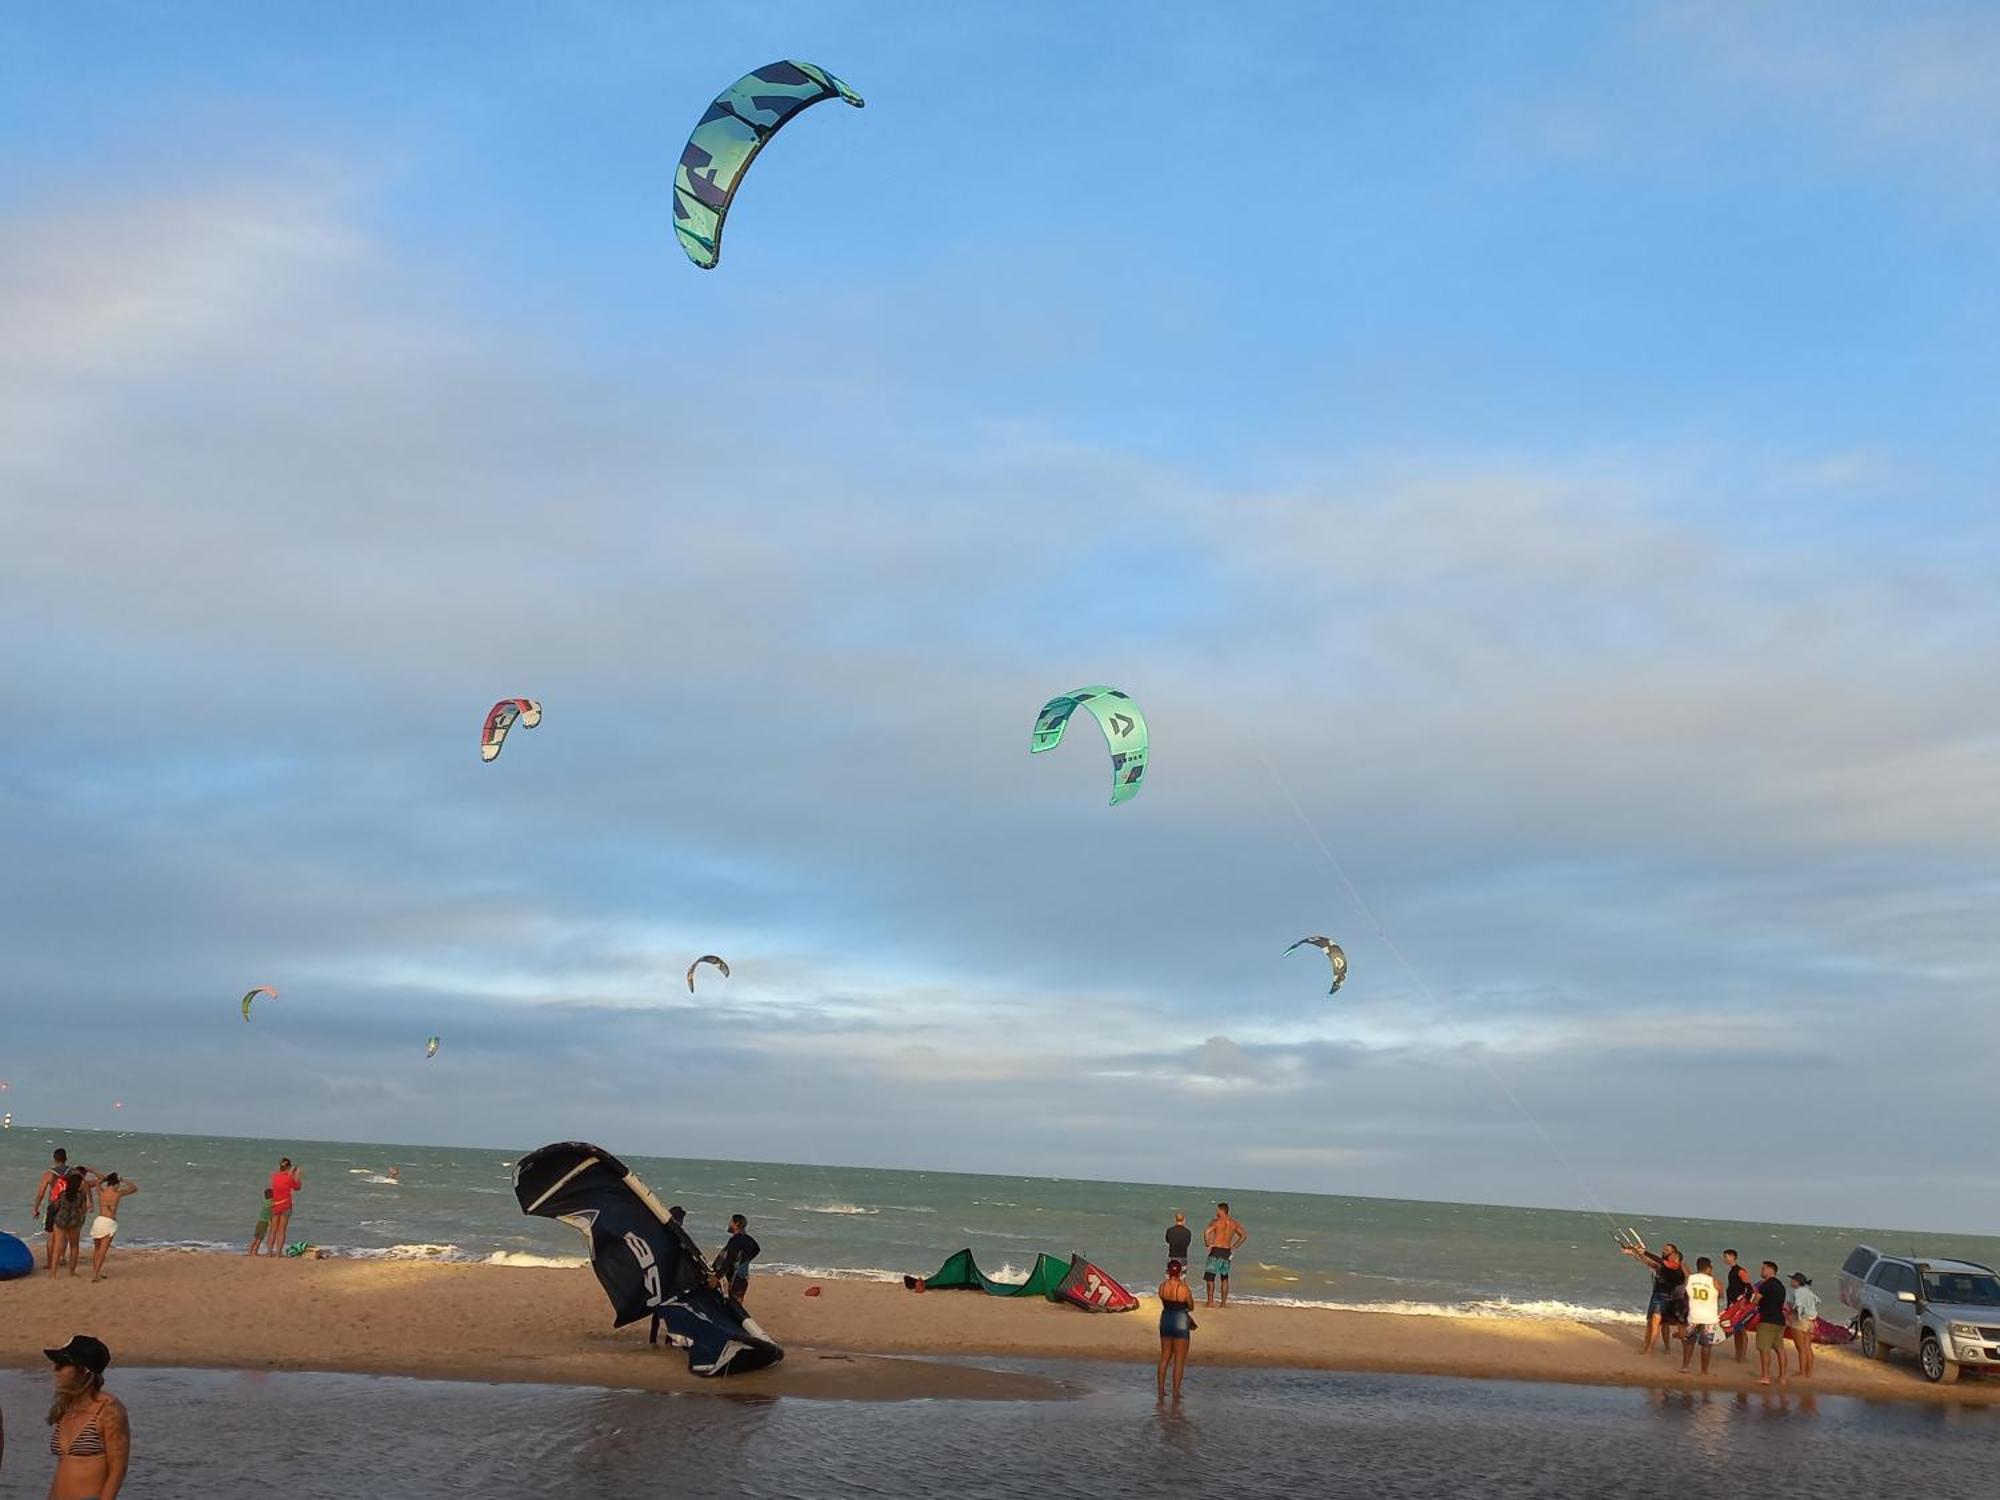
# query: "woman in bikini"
(1176, 1323)
(88, 1433)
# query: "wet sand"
(507, 1323)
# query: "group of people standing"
(1221, 1238)
(66, 1196)
(1697, 1308)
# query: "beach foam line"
(829, 1273)
(1488, 1308)
(523, 1258)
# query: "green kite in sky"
(1124, 731)
(727, 139)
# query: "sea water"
(457, 1203)
(198, 1434)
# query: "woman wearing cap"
(1176, 1323)
(88, 1432)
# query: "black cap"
(83, 1351)
(1801, 1278)
(677, 1213)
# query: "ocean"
(198, 1434)
(457, 1203)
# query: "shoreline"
(855, 1340)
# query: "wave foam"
(1483, 1307)
(846, 1210)
(523, 1258)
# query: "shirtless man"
(1223, 1237)
(111, 1192)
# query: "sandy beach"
(504, 1323)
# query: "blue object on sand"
(16, 1259)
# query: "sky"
(1533, 466)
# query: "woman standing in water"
(1176, 1323)
(88, 1432)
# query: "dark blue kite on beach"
(646, 1263)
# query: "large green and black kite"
(742, 119)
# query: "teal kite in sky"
(743, 117)
(1124, 731)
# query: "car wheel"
(1937, 1369)
(1871, 1347)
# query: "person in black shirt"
(1735, 1288)
(1770, 1324)
(1666, 1308)
(732, 1265)
(1179, 1237)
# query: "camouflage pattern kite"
(500, 718)
(727, 139)
(262, 989)
(1334, 956)
(1124, 731)
(430, 1049)
(706, 958)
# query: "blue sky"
(1554, 446)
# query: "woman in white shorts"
(112, 1191)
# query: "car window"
(1968, 1289)
(1884, 1275)
(1902, 1279)
(1857, 1264)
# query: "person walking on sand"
(1735, 1287)
(286, 1181)
(1801, 1313)
(1704, 1314)
(732, 1262)
(1222, 1238)
(71, 1208)
(89, 1433)
(48, 1190)
(1176, 1324)
(263, 1224)
(1770, 1324)
(113, 1191)
(1179, 1237)
(1666, 1306)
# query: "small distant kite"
(706, 958)
(1124, 731)
(739, 123)
(500, 718)
(262, 989)
(1334, 956)
(430, 1049)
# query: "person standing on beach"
(1704, 1298)
(1666, 1308)
(89, 1433)
(286, 1181)
(114, 1191)
(1770, 1324)
(263, 1224)
(48, 1190)
(1176, 1324)
(1735, 1288)
(1222, 1238)
(732, 1263)
(1801, 1313)
(71, 1208)
(1179, 1237)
